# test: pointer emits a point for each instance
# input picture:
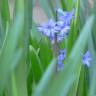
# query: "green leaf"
(48, 75)
(36, 64)
(8, 51)
(4, 9)
(37, 40)
(1, 32)
(63, 4)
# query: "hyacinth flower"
(47, 29)
(65, 16)
(86, 59)
(56, 31)
(50, 28)
(61, 26)
(63, 32)
(61, 57)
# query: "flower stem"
(56, 45)
(55, 49)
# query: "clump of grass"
(27, 65)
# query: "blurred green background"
(27, 66)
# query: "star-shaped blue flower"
(86, 59)
(47, 28)
(65, 16)
(61, 57)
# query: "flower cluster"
(60, 28)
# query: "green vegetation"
(27, 65)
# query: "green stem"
(55, 48)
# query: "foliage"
(27, 65)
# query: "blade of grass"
(5, 15)
(8, 50)
(45, 79)
(63, 4)
(1, 32)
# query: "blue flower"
(61, 57)
(86, 59)
(64, 16)
(48, 28)
(63, 32)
